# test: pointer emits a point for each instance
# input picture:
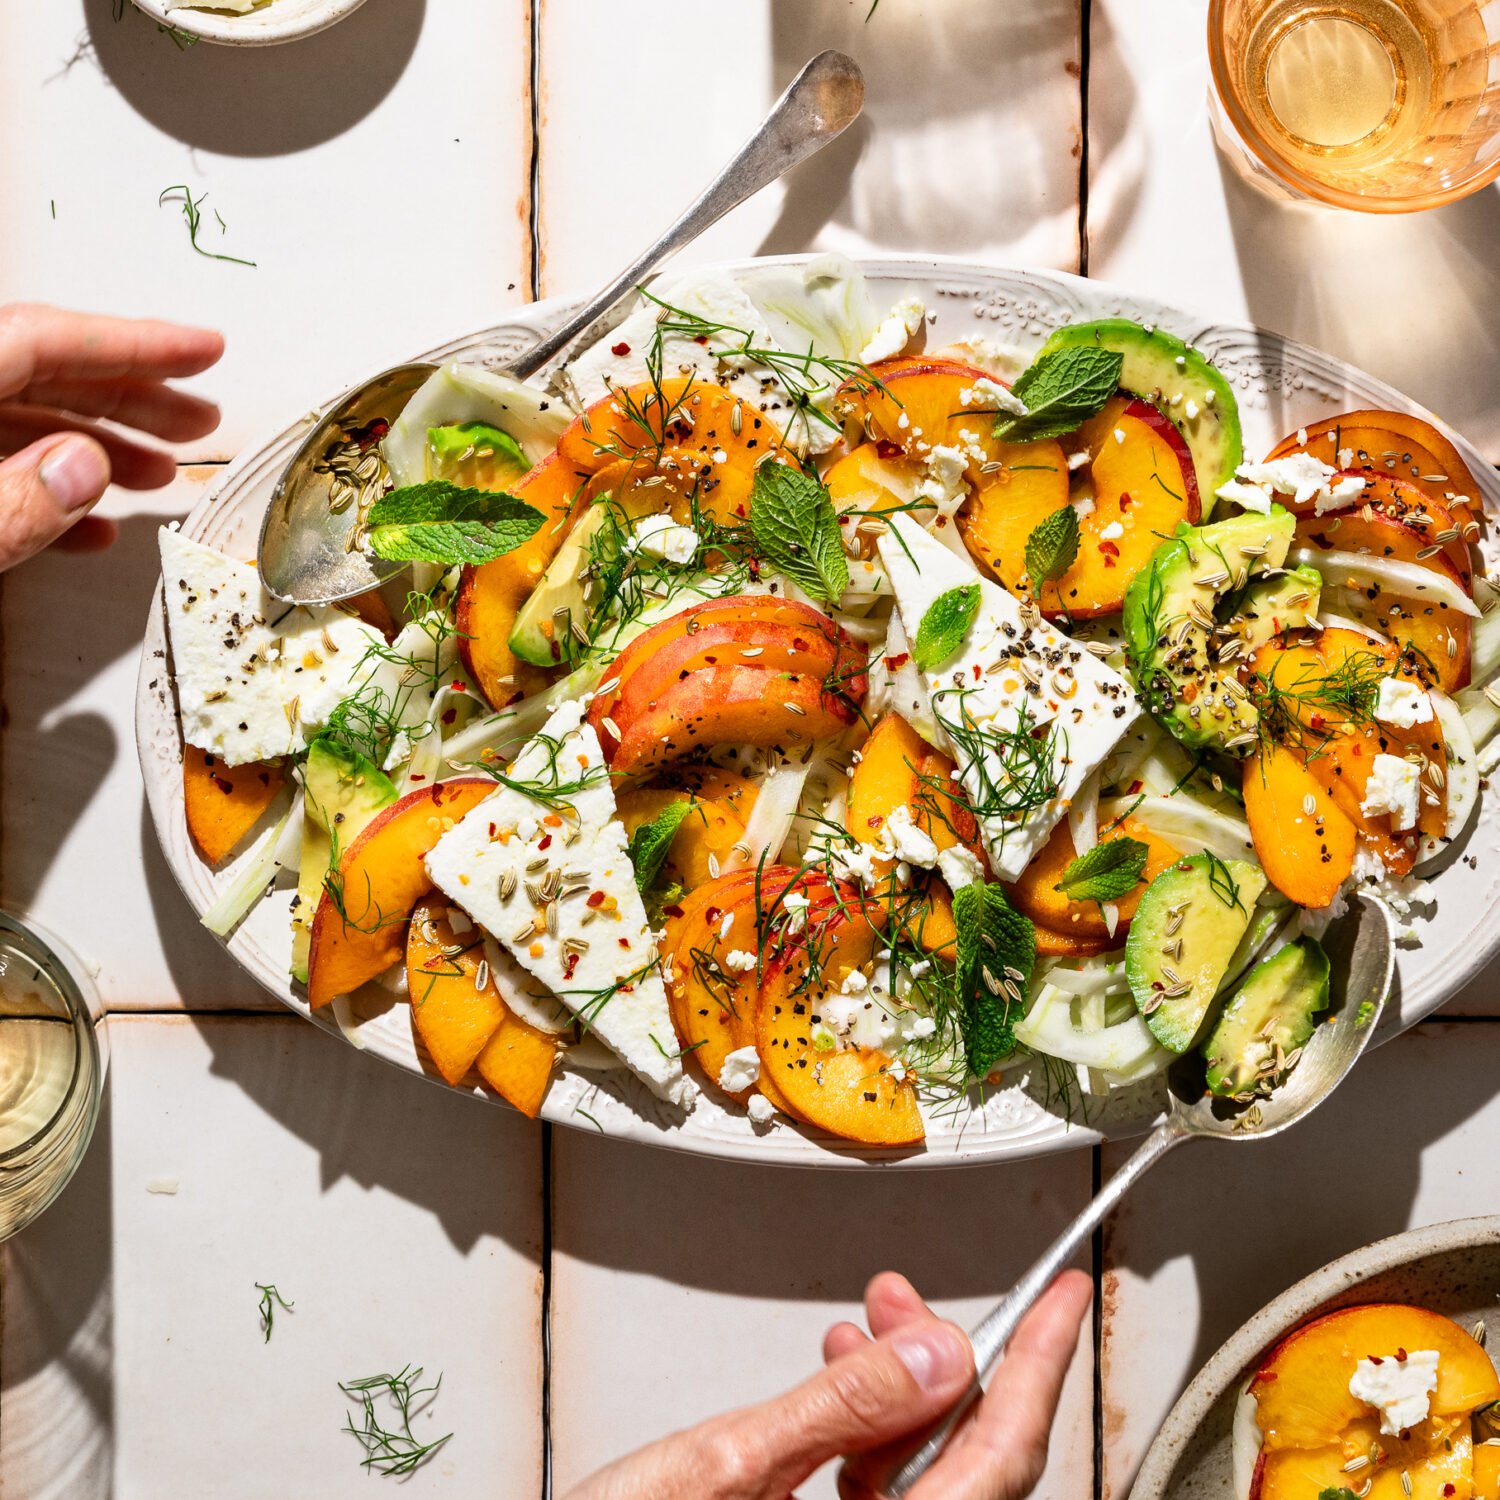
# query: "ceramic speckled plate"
(1453, 1269)
(281, 21)
(1280, 385)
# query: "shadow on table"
(1281, 1209)
(1412, 298)
(369, 1121)
(259, 101)
(57, 1358)
(102, 598)
(969, 143)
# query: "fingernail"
(936, 1356)
(75, 473)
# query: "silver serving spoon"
(305, 556)
(1361, 950)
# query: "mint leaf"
(995, 943)
(440, 522)
(1332, 1493)
(797, 531)
(651, 841)
(1061, 390)
(1107, 872)
(1052, 547)
(944, 625)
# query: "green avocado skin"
(1277, 1006)
(1186, 904)
(1168, 651)
(1152, 372)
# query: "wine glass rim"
(79, 1019)
(1252, 138)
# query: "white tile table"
(382, 178)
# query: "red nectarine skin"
(380, 879)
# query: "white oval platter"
(285, 21)
(1280, 385)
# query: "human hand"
(59, 369)
(871, 1394)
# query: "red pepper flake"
(1315, 723)
(1400, 1356)
(457, 686)
(888, 450)
(1125, 501)
(224, 786)
(449, 715)
(701, 339)
(624, 942)
(620, 350)
(546, 842)
(1375, 1359)
(418, 776)
(492, 830)
(899, 660)
(876, 821)
(671, 911)
(1447, 1490)
(1109, 549)
(569, 965)
(1135, 786)
(596, 900)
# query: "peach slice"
(912, 403)
(359, 929)
(1036, 895)
(1396, 444)
(1487, 1471)
(708, 833)
(517, 1063)
(1051, 944)
(491, 595)
(1306, 856)
(1436, 1458)
(874, 480)
(1302, 1388)
(728, 706)
(898, 768)
(1438, 634)
(451, 1012)
(223, 803)
(374, 611)
(850, 1093)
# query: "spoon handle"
(818, 105)
(991, 1335)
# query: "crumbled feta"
(1112, 532)
(796, 905)
(917, 970)
(1346, 458)
(990, 395)
(1393, 788)
(895, 332)
(905, 839)
(1191, 411)
(1401, 1388)
(944, 485)
(662, 538)
(741, 1069)
(762, 1111)
(1402, 704)
(1078, 460)
(1248, 496)
(923, 1026)
(1120, 435)
(857, 863)
(958, 867)
(1305, 478)
(739, 961)
(855, 982)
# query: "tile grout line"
(1096, 1257)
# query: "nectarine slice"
(1302, 1389)
(851, 1093)
(1036, 895)
(1306, 855)
(452, 1013)
(223, 803)
(873, 481)
(1435, 1457)
(1394, 444)
(518, 1062)
(359, 930)
(491, 595)
(708, 833)
(1487, 1471)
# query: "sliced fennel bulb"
(1189, 825)
(770, 822)
(1124, 1048)
(258, 872)
(1404, 579)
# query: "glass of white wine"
(1380, 105)
(53, 1055)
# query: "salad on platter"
(785, 711)
(1383, 1401)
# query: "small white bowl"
(280, 21)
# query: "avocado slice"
(1181, 674)
(475, 454)
(342, 791)
(543, 632)
(1161, 369)
(1276, 1007)
(1270, 606)
(1190, 921)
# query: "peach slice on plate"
(1436, 1458)
(721, 804)
(464, 1023)
(1036, 895)
(1396, 444)
(1302, 1389)
(1307, 855)
(491, 595)
(874, 479)
(851, 1093)
(359, 930)
(223, 803)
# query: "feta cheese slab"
(227, 673)
(1399, 1387)
(1007, 668)
(1402, 704)
(323, 655)
(514, 855)
(1394, 787)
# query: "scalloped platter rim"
(1280, 385)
